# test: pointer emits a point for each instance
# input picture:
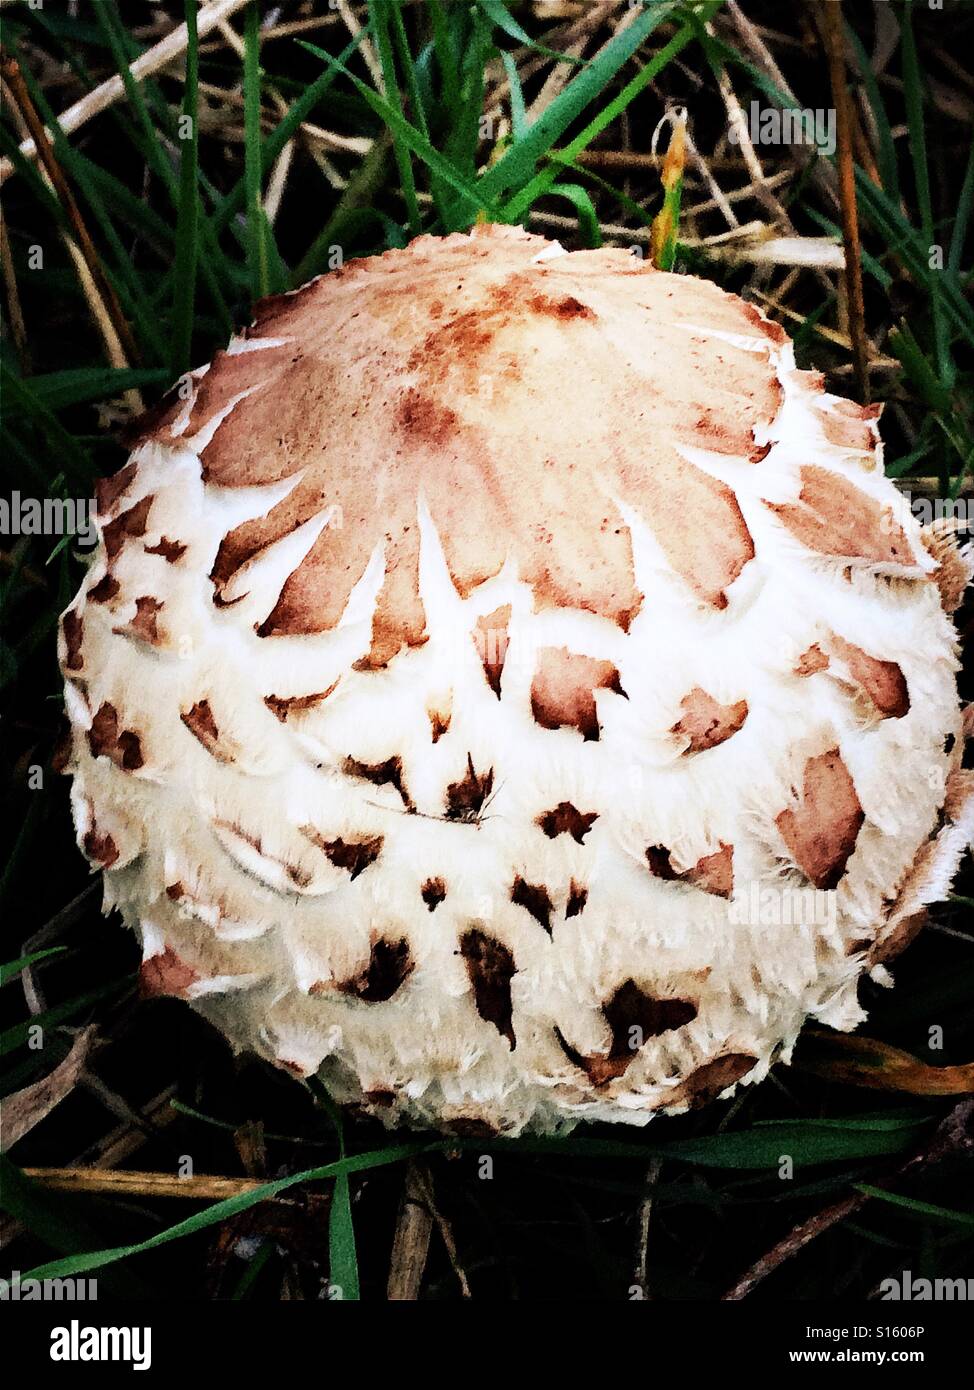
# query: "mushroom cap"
(508, 687)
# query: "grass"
(425, 120)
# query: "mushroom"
(508, 688)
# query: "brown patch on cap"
(200, 722)
(122, 746)
(127, 526)
(169, 550)
(954, 569)
(470, 1127)
(847, 425)
(707, 1082)
(380, 1099)
(486, 409)
(577, 898)
(231, 374)
(281, 706)
(660, 866)
(633, 1017)
(465, 800)
(714, 873)
(385, 774)
(439, 723)
(811, 660)
(390, 964)
(425, 421)
(834, 517)
(105, 590)
(490, 969)
(705, 722)
(563, 690)
(73, 629)
(165, 974)
(700, 528)
(353, 855)
(533, 897)
(821, 831)
(882, 681)
(902, 935)
(715, 433)
(289, 1065)
(145, 625)
(561, 307)
(109, 490)
(767, 327)
(433, 892)
(490, 637)
(566, 819)
(100, 849)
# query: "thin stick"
(129, 1183)
(22, 98)
(444, 1228)
(834, 38)
(645, 1212)
(18, 330)
(410, 1246)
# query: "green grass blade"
(187, 222)
(519, 117)
(886, 150)
(519, 204)
(588, 218)
(256, 221)
(12, 969)
(19, 1032)
(342, 1257)
(71, 457)
(924, 1209)
(397, 123)
(913, 95)
(381, 20)
(500, 16)
(962, 217)
(521, 159)
(222, 1211)
(236, 200)
(81, 385)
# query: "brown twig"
(953, 1136)
(645, 1212)
(18, 330)
(444, 1228)
(21, 96)
(833, 35)
(410, 1246)
(129, 1183)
